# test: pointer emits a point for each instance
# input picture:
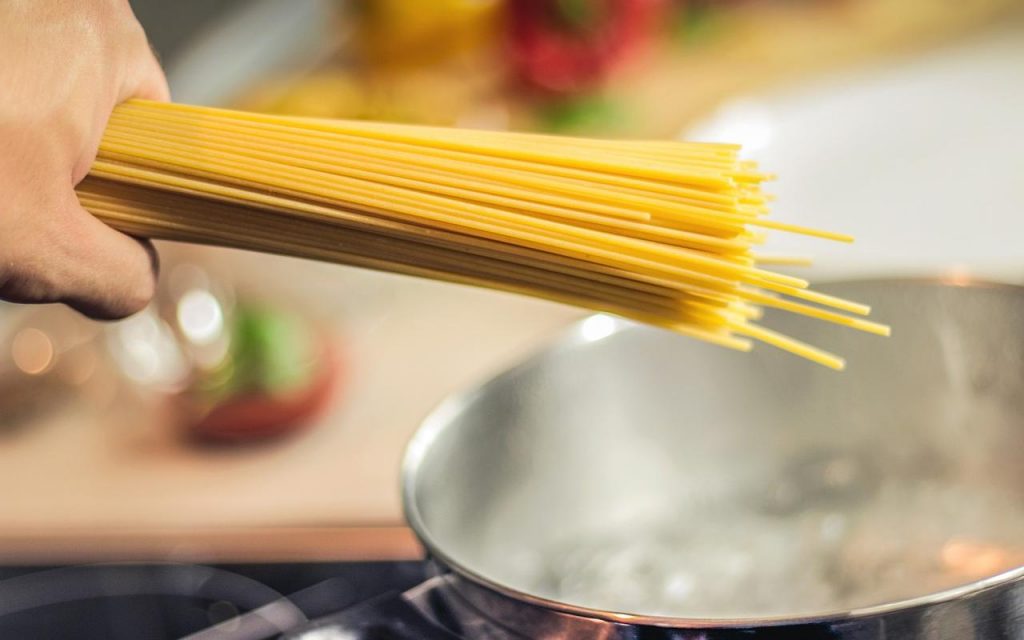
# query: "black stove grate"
(167, 601)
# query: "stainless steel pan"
(630, 483)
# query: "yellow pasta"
(661, 232)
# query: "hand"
(64, 66)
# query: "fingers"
(107, 274)
(51, 249)
(73, 258)
(113, 275)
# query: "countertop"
(122, 483)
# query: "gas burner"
(433, 610)
(158, 601)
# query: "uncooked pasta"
(662, 232)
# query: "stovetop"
(158, 601)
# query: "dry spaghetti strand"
(658, 231)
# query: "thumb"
(147, 80)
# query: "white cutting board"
(922, 160)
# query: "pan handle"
(389, 616)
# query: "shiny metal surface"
(620, 425)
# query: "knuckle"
(140, 295)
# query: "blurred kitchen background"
(258, 410)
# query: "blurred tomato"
(278, 375)
(569, 46)
(259, 415)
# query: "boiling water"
(769, 558)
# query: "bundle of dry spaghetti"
(657, 231)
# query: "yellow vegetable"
(405, 32)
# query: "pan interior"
(650, 474)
